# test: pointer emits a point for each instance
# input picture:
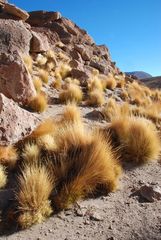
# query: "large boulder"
(41, 18)
(15, 122)
(12, 10)
(15, 80)
(14, 35)
(39, 43)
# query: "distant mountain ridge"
(139, 74)
(154, 82)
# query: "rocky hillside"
(73, 127)
(139, 74)
(153, 82)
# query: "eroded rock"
(15, 11)
(14, 36)
(15, 122)
(15, 80)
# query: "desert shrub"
(95, 98)
(137, 138)
(37, 84)
(90, 167)
(71, 114)
(44, 75)
(73, 93)
(3, 176)
(28, 62)
(31, 153)
(39, 102)
(8, 156)
(48, 126)
(35, 186)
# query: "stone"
(75, 55)
(95, 216)
(15, 11)
(80, 211)
(14, 36)
(77, 65)
(39, 43)
(101, 66)
(41, 18)
(51, 36)
(150, 192)
(15, 80)
(102, 51)
(85, 52)
(15, 122)
(81, 75)
(64, 35)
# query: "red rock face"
(14, 35)
(15, 122)
(15, 81)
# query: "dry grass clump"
(31, 153)
(41, 60)
(120, 82)
(57, 81)
(28, 62)
(64, 70)
(47, 142)
(71, 114)
(35, 186)
(37, 84)
(8, 156)
(109, 82)
(39, 103)
(95, 84)
(90, 167)
(137, 137)
(46, 127)
(124, 95)
(72, 93)
(3, 177)
(95, 98)
(44, 75)
(113, 109)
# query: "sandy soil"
(119, 216)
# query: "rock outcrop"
(15, 80)
(15, 122)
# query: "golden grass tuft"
(44, 76)
(31, 153)
(41, 60)
(37, 84)
(92, 166)
(71, 114)
(109, 82)
(35, 187)
(8, 156)
(72, 93)
(47, 142)
(137, 138)
(95, 98)
(48, 126)
(3, 177)
(95, 84)
(28, 62)
(64, 70)
(39, 103)
(57, 81)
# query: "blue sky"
(130, 28)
